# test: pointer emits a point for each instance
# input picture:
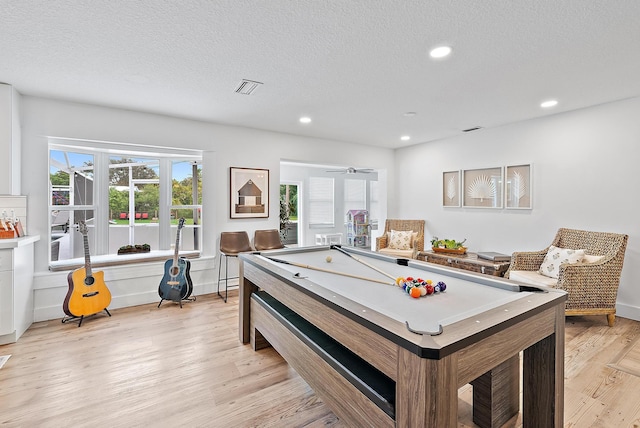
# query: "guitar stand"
(81, 318)
(186, 299)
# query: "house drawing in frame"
(249, 199)
(249, 193)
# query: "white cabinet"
(6, 291)
(16, 287)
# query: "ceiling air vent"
(475, 128)
(247, 87)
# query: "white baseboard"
(52, 312)
(628, 311)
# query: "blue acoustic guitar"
(176, 283)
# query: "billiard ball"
(329, 259)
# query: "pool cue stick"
(363, 262)
(327, 270)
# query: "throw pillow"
(400, 239)
(555, 256)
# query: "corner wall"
(585, 176)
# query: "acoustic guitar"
(88, 294)
(176, 283)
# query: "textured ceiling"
(353, 66)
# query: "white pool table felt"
(462, 299)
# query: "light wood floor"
(173, 367)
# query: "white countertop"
(18, 242)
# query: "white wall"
(9, 140)
(584, 167)
(585, 175)
(224, 146)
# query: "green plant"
(451, 244)
(284, 218)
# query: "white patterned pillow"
(414, 236)
(400, 239)
(555, 256)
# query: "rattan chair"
(268, 239)
(231, 244)
(417, 226)
(592, 287)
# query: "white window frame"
(101, 152)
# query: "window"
(186, 201)
(321, 212)
(71, 199)
(289, 213)
(120, 195)
(355, 194)
(134, 201)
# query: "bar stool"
(268, 239)
(231, 244)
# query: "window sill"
(118, 260)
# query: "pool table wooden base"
(426, 389)
(496, 394)
(347, 402)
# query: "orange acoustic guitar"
(88, 294)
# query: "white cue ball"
(329, 259)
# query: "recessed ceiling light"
(305, 119)
(549, 104)
(440, 52)
(405, 138)
(409, 114)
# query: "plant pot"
(460, 250)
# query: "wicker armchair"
(592, 287)
(417, 226)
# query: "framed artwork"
(451, 189)
(482, 188)
(518, 194)
(249, 196)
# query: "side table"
(328, 238)
(468, 261)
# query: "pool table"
(379, 357)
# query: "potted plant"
(284, 218)
(448, 246)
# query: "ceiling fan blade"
(351, 170)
